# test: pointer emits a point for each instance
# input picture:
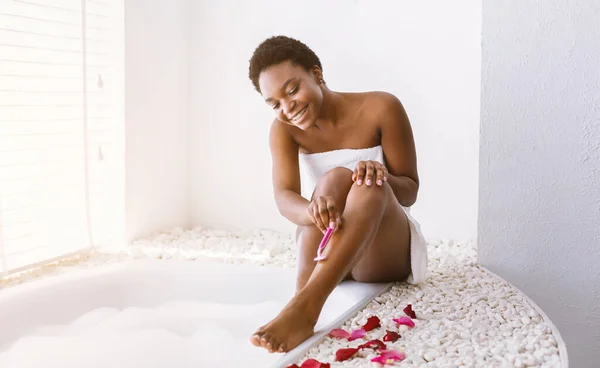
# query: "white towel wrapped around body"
(314, 165)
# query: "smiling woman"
(341, 161)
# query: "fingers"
(359, 172)
(370, 172)
(334, 219)
(324, 213)
(320, 213)
(381, 175)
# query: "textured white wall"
(539, 219)
(429, 59)
(157, 115)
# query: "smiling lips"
(298, 117)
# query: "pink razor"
(324, 241)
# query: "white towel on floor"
(314, 165)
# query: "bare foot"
(294, 324)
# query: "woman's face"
(293, 93)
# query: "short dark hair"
(278, 49)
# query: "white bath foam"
(91, 318)
(178, 334)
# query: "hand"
(369, 172)
(324, 213)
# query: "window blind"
(61, 128)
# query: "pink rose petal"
(357, 334)
(339, 333)
(404, 321)
(388, 357)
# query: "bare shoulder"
(281, 139)
(382, 103)
(280, 131)
(383, 108)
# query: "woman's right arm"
(286, 176)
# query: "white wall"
(539, 220)
(429, 59)
(157, 115)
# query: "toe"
(256, 339)
(265, 341)
(280, 348)
(275, 344)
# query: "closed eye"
(294, 90)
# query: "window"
(61, 128)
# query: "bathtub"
(158, 313)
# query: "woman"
(340, 160)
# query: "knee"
(374, 196)
(336, 176)
(336, 181)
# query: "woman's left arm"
(399, 150)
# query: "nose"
(288, 107)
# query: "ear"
(317, 73)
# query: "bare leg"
(336, 183)
(371, 214)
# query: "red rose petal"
(339, 333)
(391, 336)
(372, 323)
(409, 312)
(293, 366)
(345, 354)
(373, 344)
(357, 334)
(312, 363)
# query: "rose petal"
(409, 312)
(373, 344)
(293, 366)
(339, 333)
(345, 354)
(372, 323)
(388, 357)
(391, 336)
(312, 363)
(392, 354)
(357, 334)
(404, 321)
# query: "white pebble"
(418, 360)
(430, 355)
(518, 363)
(529, 360)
